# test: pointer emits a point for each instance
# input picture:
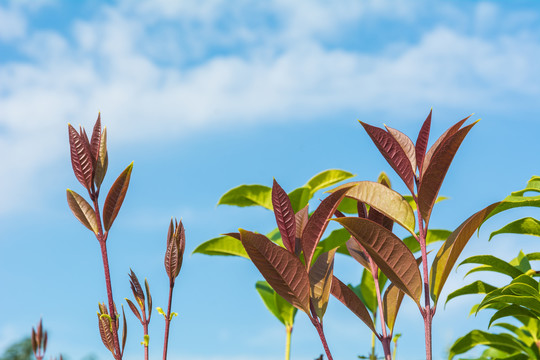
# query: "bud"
(39, 341)
(176, 243)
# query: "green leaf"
(367, 292)
(320, 280)
(283, 271)
(514, 311)
(336, 239)
(411, 201)
(82, 211)
(477, 287)
(299, 198)
(432, 236)
(388, 251)
(267, 295)
(348, 206)
(325, 179)
(451, 249)
(348, 298)
(223, 245)
(525, 226)
(287, 311)
(115, 197)
(248, 195)
(495, 264)
(384, 200)
(504, 342)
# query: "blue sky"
(207, 95)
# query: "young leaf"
(102, 160)
(124, 330)
(422, 142)
(525, 226)
(285, 217)
(134, 309)
(391, 303)
(388, 251)
(325, 179)
(393, 153)
(494, 264)
(320, 279)
(406, 144)
(223, 245)
(474, 338)
(283, 271)
(82, 210)
(96, 138)
(115, 197)
(81, 158)
(477, 287)
(344, 294)
(436, 171)
(451, 249)
(318, 222)
(248, 195)
(384, 200)
(267, 295)
(435, 147)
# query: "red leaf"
(422, 142)
(96, 138)
(285, 217)
(281, 269)
(436, 171)
(393, 153)
(445, 136)
(115, 197)
(344, 294)
(81, 159)
(318, 222)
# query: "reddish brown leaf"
(406, 144)
(445, 136)
(389, 253)
(392, 299)
(393, 153)
(436, 170)
(115, 197)
(136, 289)
(320, 280)
(82, 210)
(281, 269)
(285, 217)
(318, 222)
(422, 142)
(358, 252)
(344, 294)
(134, 309)
(81, 158)
(96, 138)
(362, 210)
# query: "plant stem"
(112, 310)
(385, 339)
(168, 320)
(427, 314)
(320, 331)
(145, 326)
(288, 342)
(102, 238)
(372, 356)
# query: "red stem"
(427, 313)
(320, 331)
(385, 340)
(102, 238)
(168, 321)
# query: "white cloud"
(282, 71)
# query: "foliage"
(89, 159)
(21, 350)
(518, 300)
